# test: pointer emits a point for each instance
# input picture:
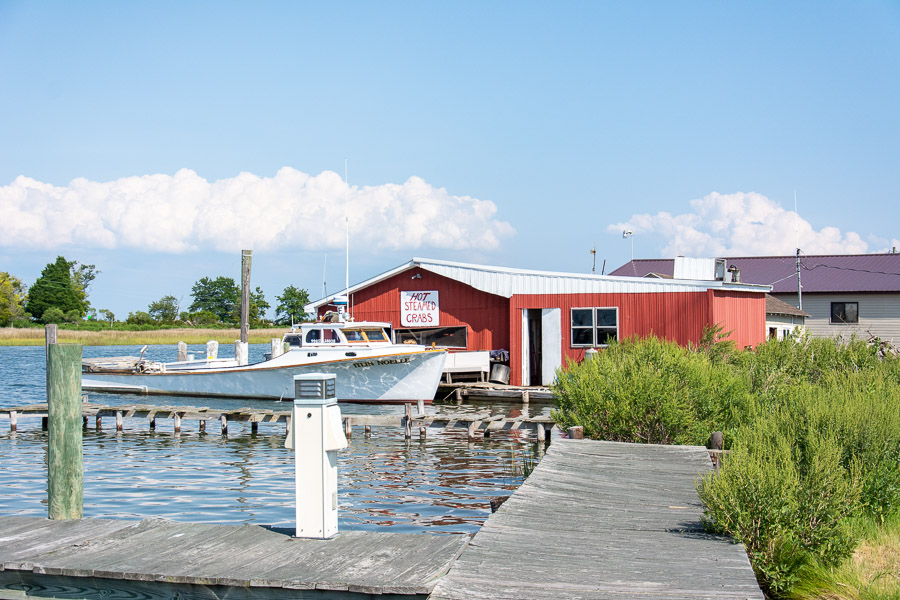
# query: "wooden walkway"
(603, 520)
(477, 424)
(97, 559)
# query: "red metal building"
(543, 318)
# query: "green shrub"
(651, 391)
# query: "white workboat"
(367, 365)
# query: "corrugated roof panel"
(506, 282)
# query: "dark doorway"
(535, 343)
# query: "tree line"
(60, 295)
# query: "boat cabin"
(338, 334)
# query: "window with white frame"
(594, 326)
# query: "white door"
(551, 344)
(526, 363)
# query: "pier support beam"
(182, 352)
(12, 420)
(224, 420)
(65, 464)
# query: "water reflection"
(441, 483)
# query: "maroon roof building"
(844, 295)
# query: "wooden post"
(98, 422)
(420, 406)
(277, 348)
(65, 463)
(246, 258)
(177, 425)
(202, 424)
(241, 350)
(212, 349)
(254, 427)
(348, 428)
(541, 434)
(407, 421)
(118, 420)
(422, 432)
(526, 396)
(182, 352)
(576, 432)
(152, 423)
(224, 420)
(716, 441)
(458, 393)
(368, 430)
(12, 420)
(473, 425)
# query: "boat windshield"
(365, 335)
(376, 335)
(323, 336)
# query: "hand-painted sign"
(419, 309)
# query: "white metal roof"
(507, 282)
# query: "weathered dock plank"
(95, 558)
(603, 520)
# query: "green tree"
(139, 318)
(290, 305)
(258, 307)
(164, 310)
(12, 291)
(218, 296)
(108, 316)
(82, 276)
(55, 289)
(53, 315)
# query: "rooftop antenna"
(797, 229)
(347, 220)
(594, 252)
(628, 233)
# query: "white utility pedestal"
(316, 435)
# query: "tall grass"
(35, 336)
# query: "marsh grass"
(10, 336)
(872, 573)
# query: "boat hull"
(406, 377)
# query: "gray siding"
(879, 315)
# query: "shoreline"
(10, 336)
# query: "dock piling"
(65, 464)
(12, 420)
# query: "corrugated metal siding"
(879, 315)
(679, 317)
(485, 315)
(742, 314)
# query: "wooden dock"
(595, 520)
(100, 559)
(477, 424)
(603, 520)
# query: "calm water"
(441, 484)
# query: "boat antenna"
(347, 221)
(594, 253)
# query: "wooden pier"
(477, 425)
(154, 558)
(603, 520)
(595, 520)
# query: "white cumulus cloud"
(740, 224)
(182, 212)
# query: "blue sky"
(157, 139)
